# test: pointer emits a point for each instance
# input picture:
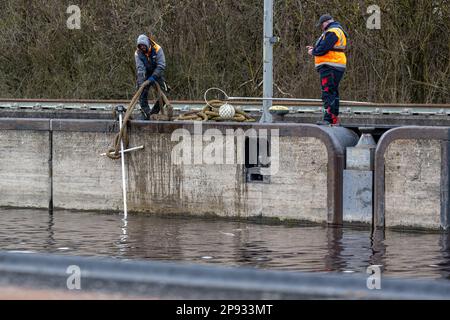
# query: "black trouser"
(143, 101)
(330, 79)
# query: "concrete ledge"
(418, 162)
(24, 124)
(84, 125)
(165, 280)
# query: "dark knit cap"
(324, 18)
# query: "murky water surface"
(187, 239)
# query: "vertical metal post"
(122, 159)
(268, 60)
(50, 169)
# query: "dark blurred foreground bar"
(163, 280)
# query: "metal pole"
(296, 100)
(268, 60)
(122, 158)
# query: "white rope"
(228, 98)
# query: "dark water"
(298, 248)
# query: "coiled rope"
(210, 112)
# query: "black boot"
(156, 108)
(146, 112)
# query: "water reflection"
(378, 248)
(122, 245)
(300, 248)
(444, 265)
(50, 239)
(333, 259)
(253, 253)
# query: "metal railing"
(250, 106)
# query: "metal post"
(122, 158)
(268, 60)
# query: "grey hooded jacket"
(149, 65)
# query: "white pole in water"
(268, 61)
(122, 159)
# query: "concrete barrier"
(412, 178)
(307, 184)
(168, 280)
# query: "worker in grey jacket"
(150, 65)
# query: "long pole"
(122, 159)
(268, 61)
(294, 100)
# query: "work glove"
(152, 80)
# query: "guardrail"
(189, 281)
(184, 105)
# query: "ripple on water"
(297, 248)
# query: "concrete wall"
(412, 182)
(300, 190)
(307, 186)
(411, 187)
(82, 179)
(44, 161)
(24, 164)
(297, 191)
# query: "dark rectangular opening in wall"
(257, 155)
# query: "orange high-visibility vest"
(153, 45)
(336, 56)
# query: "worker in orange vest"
(330, 62)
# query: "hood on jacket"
(143, 39)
